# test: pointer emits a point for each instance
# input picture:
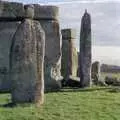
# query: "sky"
(105, 15)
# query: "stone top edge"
(68, 33)
(45, 11)
(10, 2)
(49, 6)
(16, 10)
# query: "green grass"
(88, 104)
(117, 75)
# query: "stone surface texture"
(46, 12)
(7, 31)
(26, 63)
(85, 51)
(52, 55)
(11, 11)
(48, 15)
(69, 54)
(96, 72)
(29, 11)
(48, 18)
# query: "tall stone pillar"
(69, 54)
(27, 60)
(48, 17)
(85, 51)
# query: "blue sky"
(105, 15)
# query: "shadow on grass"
(8, 105)
(77, 89)
(85, 89)
(71, 89)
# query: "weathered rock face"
(52, 55)
(74, 62)
(96, 72)
(85, 51)
(46, 12)
(113, 81)
(29, 11)
(7, 31)
(48, 18)
(26, 63)
(78, 70)
(11, 11)
(47, 15)
(69, 54)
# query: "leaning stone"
(26, 63)
(11, 11)
(7, 31)
(46, 12)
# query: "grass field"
(114, 75)
(69, 104)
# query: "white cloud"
(105, 21)
(60, 2)
(106, 54)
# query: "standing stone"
(48, 17)
(74, 62)
(69, 54)
(26, 63)
(85, 50)
(7, 31)
(10, 14)
(96, 72)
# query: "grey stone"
(113, 81)
(68, 34)
(7, 31)
(74, 62)
(69, 54)
(96, 72)
(85, 51)
(52, 54)
(72, 82)
(26, 63)
(11, 11)
(29, 11)
(46, 12)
